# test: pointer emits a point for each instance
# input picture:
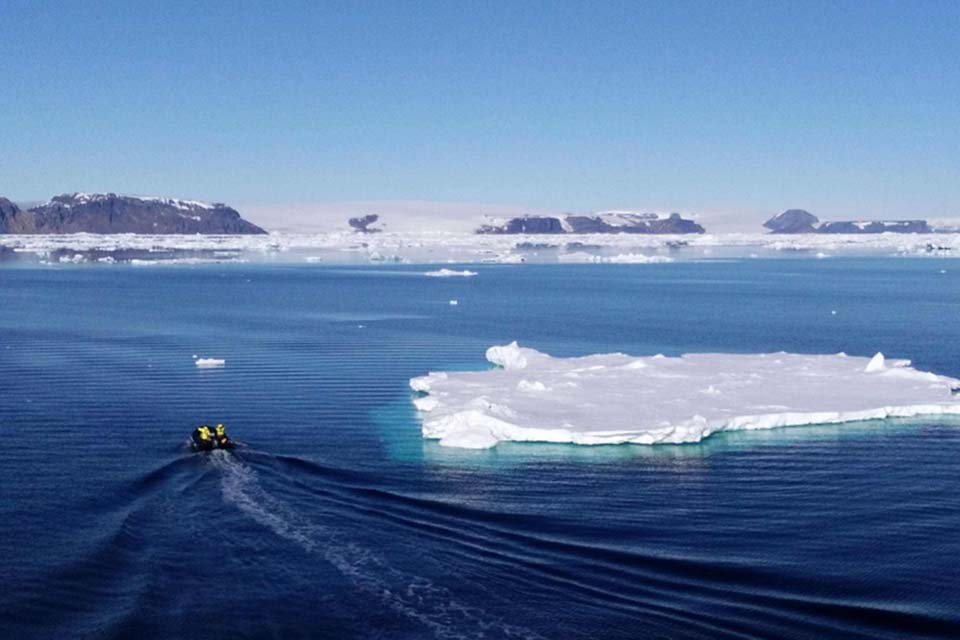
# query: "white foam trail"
(413, 596)
(239, 486)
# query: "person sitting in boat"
(223, 440)
(203, 438)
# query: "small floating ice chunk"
(531, 386)
(581, 257)
(425, 403)
(454, 302)
(450, 273)
(638, 258)
(209, 363)
(619, 398)
(877, 363)
(509, 356)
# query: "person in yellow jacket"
(203, 438)
(220, 433)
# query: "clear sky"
(844, 108)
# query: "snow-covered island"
(615, 398)
(109, 213)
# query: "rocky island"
(800, 221)
(107, 213)
(611, 222)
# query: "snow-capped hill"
(112, 213)
(85, 198)
(604, 222)
(800, 221)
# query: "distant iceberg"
(449, 273)
(209, 363)
(623, 258)
(615, 398)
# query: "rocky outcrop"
(526, 224)
(800, 221)
(363, 224)
(111, 213)
(644, 223)
(13, 219)
(793, 221)
(876, 226)
(7, 209)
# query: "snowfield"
(615, 398)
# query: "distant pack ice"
(615, 398)
(450, 273)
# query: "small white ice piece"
(450, 273)
(877, 363)
(209, 363)
(454, 303)
(616, 398)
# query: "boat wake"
(415, 597)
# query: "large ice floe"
(615, 398)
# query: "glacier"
(615, 398)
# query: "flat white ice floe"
(209, 363)
(449, 273)
(615, 398)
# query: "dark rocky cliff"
(800, 221)
(13, 219)
(792, 221)
(112, 213)
(649, 223)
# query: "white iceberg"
(450, 273)
(209, 363)
(615, 398)
(581, 257)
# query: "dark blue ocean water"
(336, 520)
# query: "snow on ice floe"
(450, 273)
(615, 398)
(209, 363)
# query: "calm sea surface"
(337, 520)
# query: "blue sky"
(845, 108)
